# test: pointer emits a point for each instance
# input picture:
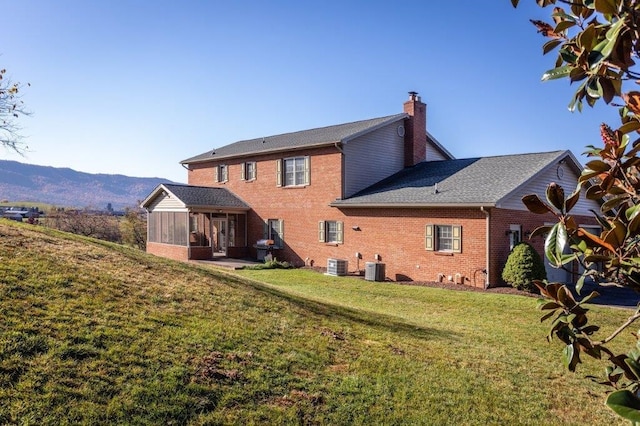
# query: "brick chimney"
(415, 138)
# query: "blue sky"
(133, 87)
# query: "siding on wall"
(539, 187)
(166, 203)
(434, 154)
(372, 157)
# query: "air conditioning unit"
(374, 271)
(337, 267)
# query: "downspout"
(341, 169)
(488, 245)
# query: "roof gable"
(189, 196)
(296, 140)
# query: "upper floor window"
(248, 171)
(331, 231)
(293, 171)
(222, 173)
(445, 238)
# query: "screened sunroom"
(188, 222)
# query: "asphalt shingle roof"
(203, 196)
(471, 181)
(295, 140)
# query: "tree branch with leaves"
(11, 108)
(597, 44)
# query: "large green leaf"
(625, 404)
(556, 73)
(555, 244)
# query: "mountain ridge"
(66, 187)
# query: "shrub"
(524, 265)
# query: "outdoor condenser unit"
(337, 267)
(374, 271)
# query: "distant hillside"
(70, 188)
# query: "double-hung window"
(248, 171)
(331, 231)
(294, 171)
(222, 173)
(443, 238)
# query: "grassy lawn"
(95, 333)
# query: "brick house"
(380, 190)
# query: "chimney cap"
(413, 96)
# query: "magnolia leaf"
(556, 73)
(550, 45)
(568, 354)
(634, 224)
(612, 203)
(597, 166)
(625, 404)
(607, 7)
(572, 200)
(536, 205)
(632, 211)
(590, 296)
(556, 243)
(548, 305)
(563, 26)
(594, 89)
(547, 316)
(630, 126)
(540, 231)
(555, 195)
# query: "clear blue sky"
(134, 87)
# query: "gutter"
(409, 205)
(254, 153)
(488, 244)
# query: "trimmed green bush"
(524, 265)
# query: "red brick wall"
(298, 207)
(396, 235)
(168, 250)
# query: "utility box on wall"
(374, 271)
(337, 267)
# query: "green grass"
(96, 333)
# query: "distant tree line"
(129, 229)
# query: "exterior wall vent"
(337, 267)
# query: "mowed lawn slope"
(95, 333)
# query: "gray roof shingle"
(472, 181)
(302, 139)
(204, 196)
